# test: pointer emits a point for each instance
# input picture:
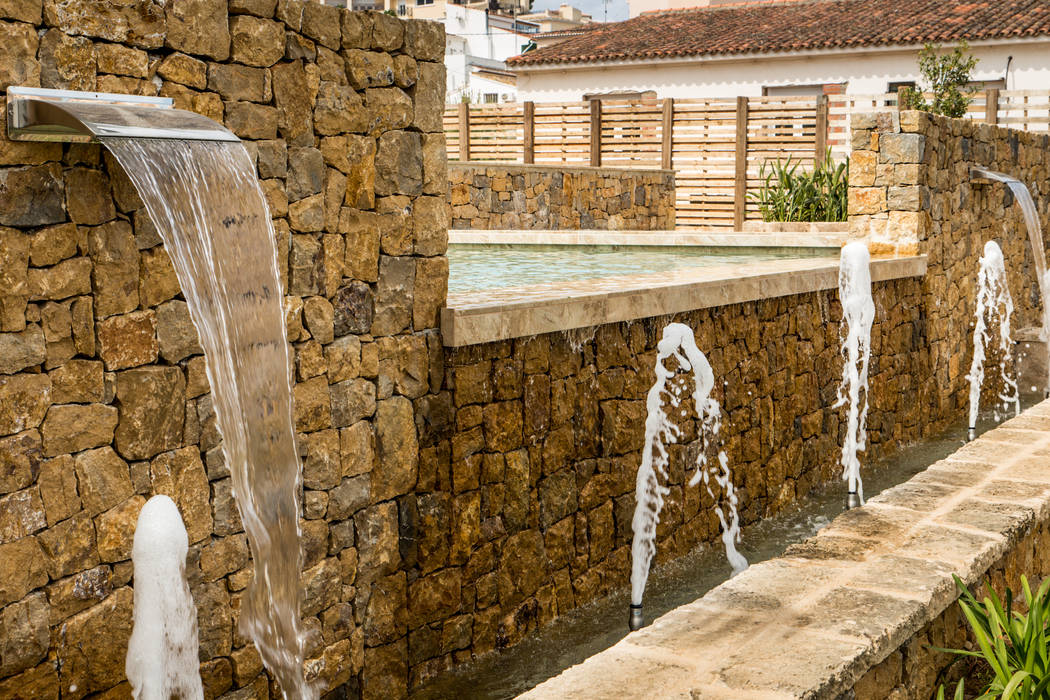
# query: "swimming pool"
(474, 267)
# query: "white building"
(795, 47)
(477, 45)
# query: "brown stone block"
(388, 33)
(340, 109)
(256, 42)
(104, 480)
(294, 94)
(66, 62)
(214, 619)
(21, 350)
(38, 682)
(33, 195)
(425, 40)
(26, 636)
(139, 24)
(428, 97)
(19, 65)
(199, 27)
(180, 474)
(152, 411)
(122, 60)
(115, 276)
(74, 427)
(369, 69)
(157, 279)
(313, 405)
(177, 337)
(385, 672)
(128, 340)
(434, 597)
(115, 529)
(184, 69)
(396, 448)
(69, 546)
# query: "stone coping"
(811, 623)
(488, 315)
(796, 226)
(531, 167)
(684, 237)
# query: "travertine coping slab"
(515, 312)
(682, 236)
(813, 622)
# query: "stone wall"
(103, 396)
(858, 604)
(515, 196)
(547, 430)
(910, 191)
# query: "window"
(420, 3)
(896, 87)
(491, 97)
(402, 9)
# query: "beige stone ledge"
(688, 237)
(505, 166)
(813, 622)
(796, 226)
(514, 312)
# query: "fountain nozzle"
(852, 500)
(971, 433)
(636, 621)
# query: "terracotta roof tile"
(798, 25)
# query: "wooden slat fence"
(716, 145)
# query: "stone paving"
(842, 610)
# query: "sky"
(595, 8)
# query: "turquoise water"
(492, 266)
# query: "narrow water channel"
(571, 639)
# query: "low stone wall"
(516, 196)
(103, 396)
(858, 605)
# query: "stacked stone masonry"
(103, 395)
(982, 513)
(494, 196)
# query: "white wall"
(474, 41)
(864, 73)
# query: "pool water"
(474, 267)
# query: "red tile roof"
(798, 25)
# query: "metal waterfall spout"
(199, 186)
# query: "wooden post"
(991, 106)
(821, 146)
(667, 135)
(464, 132)
(740, 193)
(529, 132)
(596, 133)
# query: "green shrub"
(791, 194)
(946, 76)
(1013, 643)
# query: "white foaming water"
(1035, 240)
(858, 314)
(993, 302)
(678, 342)
(162, 652)
(211, 213)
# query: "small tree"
(947, 76)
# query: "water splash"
(162, 653)
(1035, 240)
(212, 216)
(993, 302)
(678, 342)
(858, 314)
